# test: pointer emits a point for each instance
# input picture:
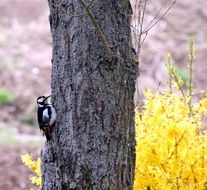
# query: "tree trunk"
(93, 83)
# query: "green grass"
(6, 97)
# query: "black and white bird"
(46, 116)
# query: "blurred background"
(25, 68)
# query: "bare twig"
(179, 85)
(141, 7)
(154, 94)
(143, 39)
(141, 22)
(157, 14)
(157, 20)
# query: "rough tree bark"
(93, 83)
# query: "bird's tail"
(47, 132)
(48, 135)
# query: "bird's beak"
(47, 98)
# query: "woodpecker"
(46, 116)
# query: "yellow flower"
(173, 132)
(171, 149)
(35, 166)
(27, 160)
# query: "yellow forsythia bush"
(34, 166)
(171, 147)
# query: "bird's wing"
(52, 113)
(45, 117)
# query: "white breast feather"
(53, 116)
(45, 116)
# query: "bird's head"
(42, 100)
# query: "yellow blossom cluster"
(35, 166)
(171, 147)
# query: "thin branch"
(141, 22)
(152, 25)
(141, 6)
(154, 94)
(157, 14)
(143, 39)
(179, 86)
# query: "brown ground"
(14, 174)
(25, 54)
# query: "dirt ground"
(14, 175)
(25, 65)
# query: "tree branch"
(151, 25)
(141, 6)
(141, 22)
